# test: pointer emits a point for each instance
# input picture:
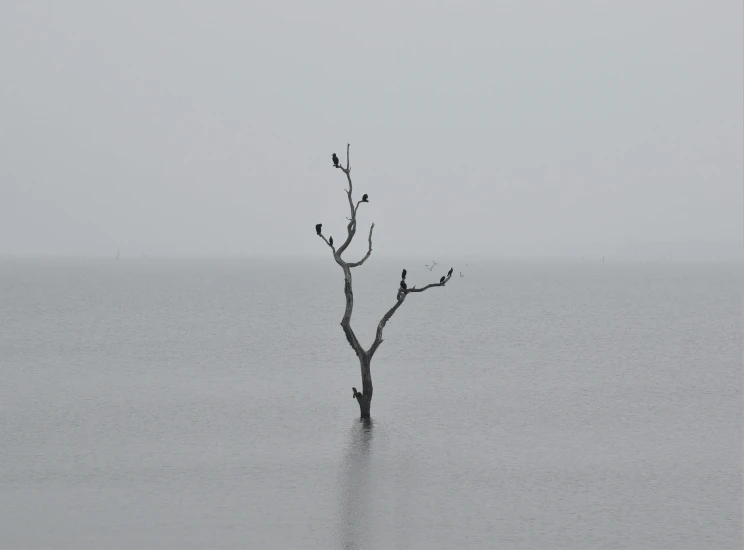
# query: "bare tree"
(364, 398)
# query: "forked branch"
(351, 231)
(401, 298)
(369, 251)
(328, 243)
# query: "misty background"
(477, 128)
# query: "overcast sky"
(491, 127)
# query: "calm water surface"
(207, 404)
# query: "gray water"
(208, 404)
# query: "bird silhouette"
(334, 158)
(403, 285)
(449, 273)
(404, 274)
(365, 197)
(330, 241)
(318, 227)
(442, 279)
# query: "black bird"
(365, 197)
(334, 158)
(330, 241)
(449, 272)
(403, 285)
(317, 227)
(404, 274)
(355, 393)
(442, 279)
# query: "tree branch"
(385, 318)
(383, 322)
(328, 243)
(352, 225)
(369, 251)
(348, 292)
(346, 320)
(414, 289)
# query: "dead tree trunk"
(364, 398)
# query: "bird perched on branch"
(330, 241)
(317, 227)
(334, 158)
(403, 276)
(365, 197)
(442, 279)
(403, 285)
(449, 273)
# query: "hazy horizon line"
(587, 258)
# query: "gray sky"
(494, 127)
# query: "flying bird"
(365, 197)
(334, 158)
(449, 273)
(442, 279)
(404, 274)
(317, 227)
(330, 241)
(403, 285)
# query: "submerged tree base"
(364, 405)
